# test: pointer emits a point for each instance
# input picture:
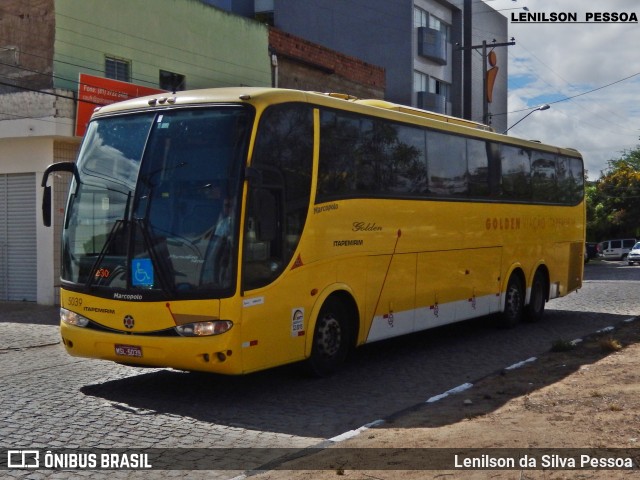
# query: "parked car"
(616, 249)
(591, 251)
(634, 255)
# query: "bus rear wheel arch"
(334, 335)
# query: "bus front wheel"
(513, 304)
(330, 339)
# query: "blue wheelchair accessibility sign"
(142, 272)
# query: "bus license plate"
(129, 350)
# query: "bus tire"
(330, 339)
(513, 303)
(535, 310)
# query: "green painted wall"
(211, 47)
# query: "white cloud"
(551, 61)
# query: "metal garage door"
(18, 237)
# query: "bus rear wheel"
(330, 339)
(535, 310)
(513, 304)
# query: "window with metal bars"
(117, 69)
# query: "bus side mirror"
(46, 197)
(46, 206)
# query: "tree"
(630, 158)
(613, 202)
(597, 221)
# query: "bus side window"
(570, 180)
(447, 164)
(263, 211)
(516, 173)
(478, 168)
(543, 178)
(278, 203)
(260, 232)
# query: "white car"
(616, 249)
(634, 255)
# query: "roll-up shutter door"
(18, 251)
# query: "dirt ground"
(585, 396)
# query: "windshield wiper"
(117, 226)
(120, 225)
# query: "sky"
(598, 64)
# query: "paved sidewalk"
(25, 325)
(29, 312)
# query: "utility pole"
(467, 79)
(466, 66)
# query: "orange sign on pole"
(491, 75)
(97, 91)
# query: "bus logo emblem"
(128, 322)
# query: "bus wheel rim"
(513, 302)
(329, 336)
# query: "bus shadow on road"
(385, 380)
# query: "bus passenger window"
(543, 177)
(339, 152)
(478, 168)
(446, 157)
(570, 180)
(516, 173)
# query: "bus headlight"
(73, 318)
(204, 329)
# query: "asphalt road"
(51, 400)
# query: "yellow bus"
(233, 230)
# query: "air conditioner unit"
(432, 44)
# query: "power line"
(37, 119)
(602, 107)
(53, 94)
(36, 90)
(590, 111)
(577, 95)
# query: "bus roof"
(424, 113)
(264, 96)
(247, 93)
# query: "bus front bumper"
(208, 354)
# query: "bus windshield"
(155, 204)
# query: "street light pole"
(539, 109)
